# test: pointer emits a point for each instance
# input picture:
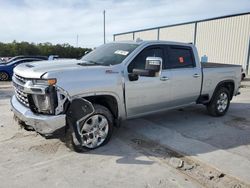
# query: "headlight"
(49, 82)
(44, 103)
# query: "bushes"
(45, 49)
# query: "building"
(223, 39)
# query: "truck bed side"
(216, 73)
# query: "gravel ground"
(147, 152)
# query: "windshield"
(109, 54)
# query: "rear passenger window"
(179, 57)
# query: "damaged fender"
(77, 112)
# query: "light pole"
(77, 40)
(104, 37)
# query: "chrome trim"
(43, 124)
(22, 97)
(28, 86)
(18, 83)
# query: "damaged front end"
(40, 95)
(39, 104)
(45, 107)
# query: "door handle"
(164, 78)
(196, 75)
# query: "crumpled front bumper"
(43, 124)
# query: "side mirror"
(143, 72)
(133, 76)
(153, 65)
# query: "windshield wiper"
(95, 63)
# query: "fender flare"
(220, 84)
(79, 110)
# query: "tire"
(101, 112)
(4, 76)
(243, 76)
(220, 102)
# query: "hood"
(72, 77)
(39, 68)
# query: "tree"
(24, 48)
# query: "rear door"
(186, 76)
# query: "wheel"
(96, 130)
(4, 76)
(220, 102)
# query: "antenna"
(104, 37)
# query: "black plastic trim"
(221, 83)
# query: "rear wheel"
(220, 102)
(243, 76)
(95, 131)
(4, 76)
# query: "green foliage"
(45, 49)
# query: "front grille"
(21, 79)
(20, 95)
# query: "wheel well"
(106, 100)
(243, 75)
(229, 85)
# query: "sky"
(60, 21)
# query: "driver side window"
(140, 60)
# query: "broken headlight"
(44, 103)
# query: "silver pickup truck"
(115, 82)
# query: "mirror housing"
(143, 72)
(133, 77)
(153, 65)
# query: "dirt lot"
(178, 148)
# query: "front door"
(147, 94)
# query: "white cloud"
(59, 21)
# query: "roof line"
(203, 20)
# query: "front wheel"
(95, 131)
(220, 102)
(4, 76)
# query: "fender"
(121, 107)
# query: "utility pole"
(104, 34)
(77, 40)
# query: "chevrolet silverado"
(115, 82)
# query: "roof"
(154, 42)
